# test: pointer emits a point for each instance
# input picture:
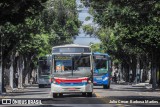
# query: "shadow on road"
(75, 96)
(131, 89)
(135, 97)
(135, 89)
(47, 105)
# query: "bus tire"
(84, 94)
(106, 86)
(60, 94)
(40, 85)
(89, 94)
(55, 95)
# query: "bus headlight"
(89, 81)
(106, 78)
(53, 81)
(41, 79)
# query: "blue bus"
(102, 70)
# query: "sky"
(82, 38)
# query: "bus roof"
(45, 57)
(71, 45)
(98, 53)
(48, 55)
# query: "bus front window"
(72, 65)
(44, 68)
(62, 63)
(100, 66)
(81, 61)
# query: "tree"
(38, 28)
(61, 20)
(132, 28)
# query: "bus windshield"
(72, 65)
(44, 69)
(100, 65)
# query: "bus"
(102, 70)
(72, 70)
(44, 71)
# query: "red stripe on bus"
(75, 80)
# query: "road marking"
(98, 95)
(120, 105)
(3, 96)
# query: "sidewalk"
(142, 85)
(146, 85)
(11, 92)
(31, 85)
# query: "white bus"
(44, 71)
(72, 70)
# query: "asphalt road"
(116, 96)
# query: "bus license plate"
(71, 89)
(99, 78)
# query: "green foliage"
(33, 27)
(89, 30)
(127, 27)
(87, 18)
(80, 6)
(61, 18)
(97, 47)
(15, 11)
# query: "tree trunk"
(154, 69)
(20, 67)
(5, 73)
(134, 63)
(123, 71)
(138, 70)
(158, 70)
(126, 71)
(145, 62)
(27, 69)
(120, 71)
(11, 71)
(1, 75)
(3, 66)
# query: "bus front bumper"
(71, 89)
(99, 83)
(44, 81)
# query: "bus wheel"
(55, 95)
(106, 86)
(40, 85)
(89, 94)
(84, 94)
(60, 94)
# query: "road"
(119, 95)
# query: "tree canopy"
(32, 27)
(124, 26)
